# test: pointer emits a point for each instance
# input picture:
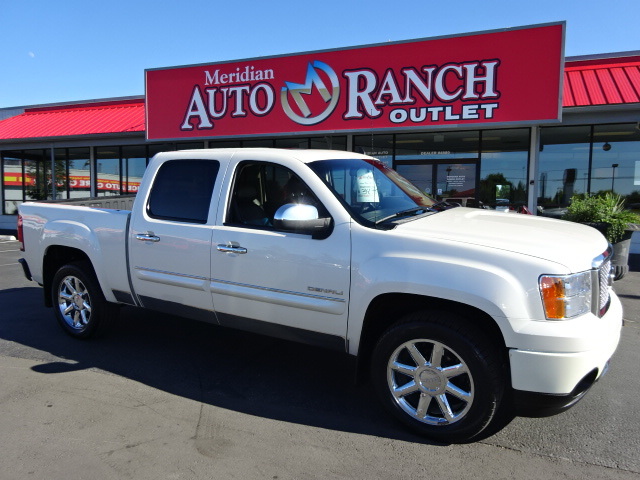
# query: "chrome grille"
(602, 264)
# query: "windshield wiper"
(403, 213)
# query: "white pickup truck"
(455, 313)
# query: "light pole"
(613, 175)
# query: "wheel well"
(54, 258)
(387, 309)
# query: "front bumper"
(557, 374)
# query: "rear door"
(170, 239)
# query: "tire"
(78, 301)
(439, 375)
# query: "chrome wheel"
(430, 382)
(74, 303)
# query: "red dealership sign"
(507, 76)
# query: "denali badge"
(325, 290)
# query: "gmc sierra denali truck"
(455, 313)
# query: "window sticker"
(367, 188)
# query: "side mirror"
(300, 218)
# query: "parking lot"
(162, 397)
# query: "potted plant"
(606, 212)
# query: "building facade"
(102, 147)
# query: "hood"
(570, 244)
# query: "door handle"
(147, 237)
(230, 249)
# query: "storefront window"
(563, 168)
(442, 164)
(503, 169)
(154, 148)
(37, 168)
(134, 163)
(437, 146)
(108, 171)
(616, 161)
(329, 143)
(12, 181)
(189, 145)
(226, 144)
(257, 143)
(293, 143)
(378, 146)
(79, 168)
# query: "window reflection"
(79, 171)
(563, 165)
(616, 161)
(108, 171)
(12, 181)
(503, 169)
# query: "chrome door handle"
(147, 237)
(230, 249)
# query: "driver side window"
(260, 189)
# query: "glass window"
(329, 143)
(259, 143)
(292, 142)
(504, 168)
(189, 145)
(182, 190)
(374, 194)
(108, 171)
(154, 148)
(616, 160)
(37, 166)
(226, 144)
(421, 175)
(437, 146)
(261, 188)
(12, 181)
(134, 163)
(378, 146)
(79, 168)
(563, 164)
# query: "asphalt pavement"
(162, 397)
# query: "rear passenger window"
(182, 190)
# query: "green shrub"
(606, 208)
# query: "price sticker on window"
(367, 188)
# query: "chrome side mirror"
(301, 218)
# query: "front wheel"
(78, 301)
(439, 375)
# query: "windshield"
(373, 193)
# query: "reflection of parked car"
(463, 201)
(555, 212)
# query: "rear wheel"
(80, 306)
(439, 375)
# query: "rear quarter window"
(182, 190)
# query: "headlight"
(566, 296)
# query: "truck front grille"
(602, 266)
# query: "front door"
(276, 282)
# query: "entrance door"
(453, 181)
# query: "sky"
(71, 50)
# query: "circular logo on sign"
(313, 83)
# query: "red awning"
(607, 81)
(82, 119)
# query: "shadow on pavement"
(225, 368)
